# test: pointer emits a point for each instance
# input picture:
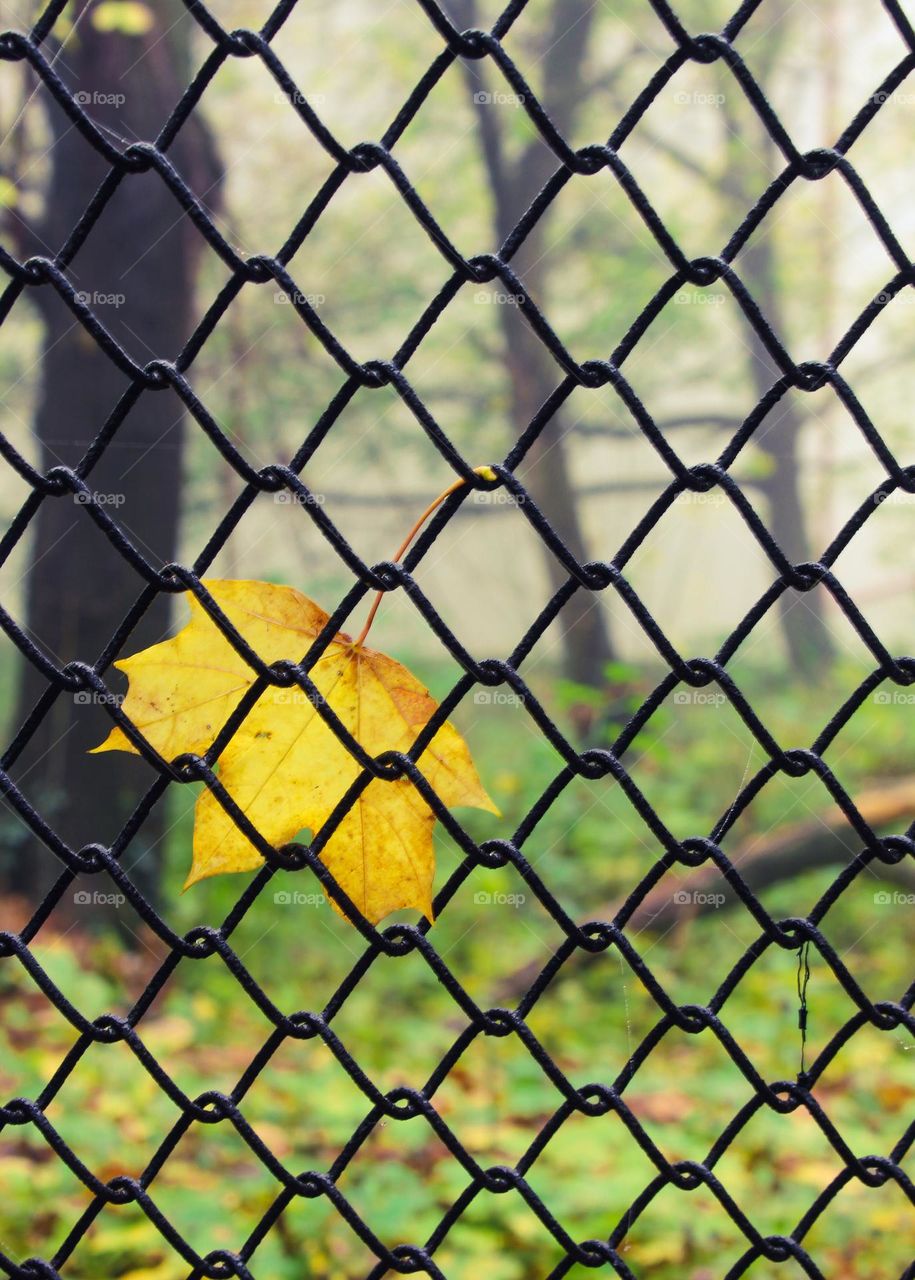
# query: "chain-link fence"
(301, 865)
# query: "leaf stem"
(486, 472)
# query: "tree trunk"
(136, 269)
(533, 373)
(806, 636)
(586, 642)
(805, 633)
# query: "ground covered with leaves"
(399, 1022)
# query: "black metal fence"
(158, 376)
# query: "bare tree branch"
(415, 501)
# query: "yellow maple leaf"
(285, 767)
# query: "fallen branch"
(762, 860)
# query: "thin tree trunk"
(533, 373)
(749, 153)
(586, 641)
(806, 635)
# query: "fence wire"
(800, 935)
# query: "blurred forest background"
(703, 157)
